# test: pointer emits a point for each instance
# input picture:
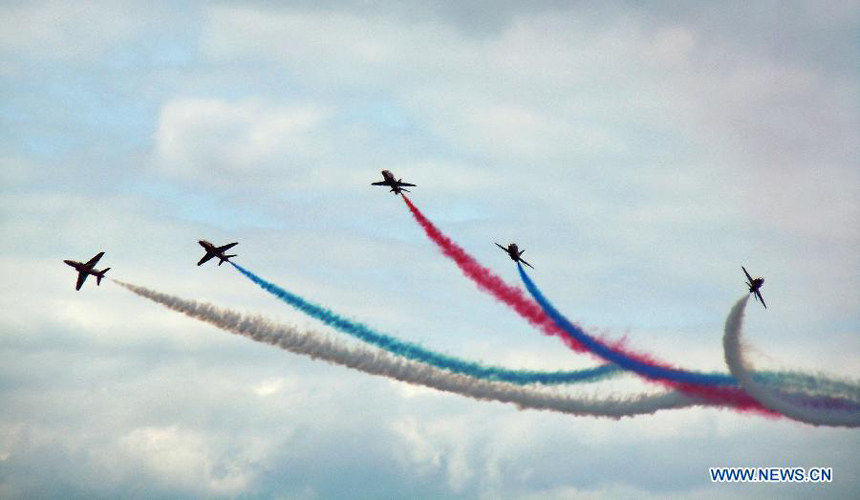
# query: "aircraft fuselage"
(85, 269)
(397, 185)
(756, 284)
(213, 251)
(514, 253)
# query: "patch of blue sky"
(192, 205)
(163, 55)
(73, 107)
(381, 113)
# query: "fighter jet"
(88, 268)
(514, 253)
(755, 285)
(395, 185)
(213, 251)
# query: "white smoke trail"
(768, 397)
(380, 363)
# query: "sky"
(639, 153)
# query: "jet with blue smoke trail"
(515, 253)
(717, 386)
(213, 251)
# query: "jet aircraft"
(213, 251)
(755, 285)
(515, 253)
(396, 185)
(87, 268)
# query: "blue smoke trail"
(417, 353)
(375, 362)
(836, 390)
(623, 360)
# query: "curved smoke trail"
(489, 282)
(712, 386)
(768, 397)
(418, 353)
(721, 387)
(380, 363)
(399, 347)
(536, 313)
(809, 384)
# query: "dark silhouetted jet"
(88, 268)
(755, 285)
(515, 253)
(213, 251)
(395, 185)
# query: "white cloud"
(187, 458)
(270, 386)
(77, 31)
(228, 141)
(419, 451)
(671, 45)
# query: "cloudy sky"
(640, 155)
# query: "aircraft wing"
(405, 184)
(748, 274)
(758, 294)
(205, 258)
(92, 262)
(526, 263)
(226, 247)
(500, 246)
(81, 278)
(380, 183)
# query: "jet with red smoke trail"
(213, 251)
(396, 185)
(755, 285)
(515, 253)
(88, 268)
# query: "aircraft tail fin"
(226, 259)
(101, 275)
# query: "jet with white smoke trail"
(317, 346)
(768, 396)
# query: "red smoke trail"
(489, 282)
(534, 314)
